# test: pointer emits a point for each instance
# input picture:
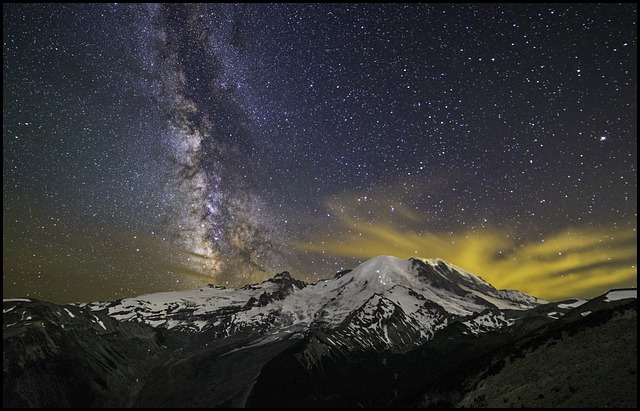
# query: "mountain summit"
(282, 305)
(390, 332)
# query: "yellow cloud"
(576, 262)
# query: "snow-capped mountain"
(425, 293)
(214, 346)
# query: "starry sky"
(159, 147)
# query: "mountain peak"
(283, 275)
(282, 299)
(286, 281)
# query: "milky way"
(197, 66)
(160, 147)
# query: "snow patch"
(71, 315)
(616, 295)
(487, 322)
(576, 303)
(100, 322)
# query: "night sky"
(162, 147)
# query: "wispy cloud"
(570, 262)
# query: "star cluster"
(154, 147)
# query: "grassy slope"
(587, 367)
